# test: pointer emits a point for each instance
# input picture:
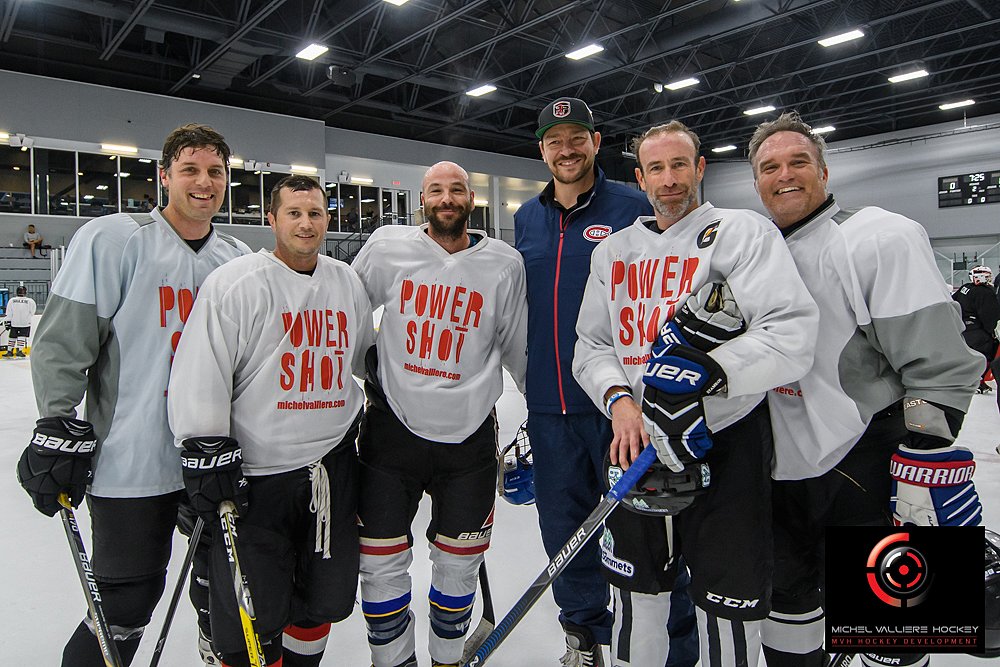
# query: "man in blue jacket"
(556, 232)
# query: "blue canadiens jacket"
(556, 246)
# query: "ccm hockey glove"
(680, 372)
(57, 460)
(213, 472)
(932, 479)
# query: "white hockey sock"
(793, 633)
(639, 635)
(726, 643)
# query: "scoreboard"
(982, 187)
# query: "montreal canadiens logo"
(560, 109)
(597, 233)
(897, 572)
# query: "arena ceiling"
(404, 70)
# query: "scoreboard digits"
(982, 187)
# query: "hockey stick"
(486, 623)
(227, 517)
(199, 525)
(569, 551)
(841, 659)
(104, 637)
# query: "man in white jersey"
(455, 312)
(109, 331)
(640, 277)
(888, 391)
(264, 375)
(20, 311)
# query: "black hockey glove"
(680, 372)
(56, 461)
(213, 472)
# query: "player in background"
(556, 232)
(891, 382)
(454, 313)
(108, 331)
(263, 375)
(20, 311)
(639, 278)
(980, 314)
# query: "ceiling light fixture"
(304, 169)
(824, 130)
(398, 3)
(364, 180)
(312, 52)
(145, 160)
(682, 83)
(848, 36)
(724, 149)
(481, 90)
(119, 148)
(481, 202)
(585, 52)
(956, 105)
(906, 76)
(235, 161)
(196, 76)
(758, 110)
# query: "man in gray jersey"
(109, 331)
(888, 390)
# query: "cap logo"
(560, 109)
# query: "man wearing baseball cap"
(556, 232)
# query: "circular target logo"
(897, 572)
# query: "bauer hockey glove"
(213, 472)
(931, 479)
(57, 460)
(680, 372)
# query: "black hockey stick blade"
(568, 552)
(244, 601)
(104, 637)
(199, 525)
(486, 623)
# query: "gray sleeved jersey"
(888, 329)
(450, 322)
(267, 357)
(639, 278)
(109, 329)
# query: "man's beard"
(673, 212)
(586, 170)
(449, 230)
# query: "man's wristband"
(614, 397)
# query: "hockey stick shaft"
(488, 620)
(199, 525)
(244, 601)
(841, 659)
(568, 552)
(86, 573)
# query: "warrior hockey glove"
(213, 472)
(679, 373)
(57, 460)
(931, 480)
(934, 487)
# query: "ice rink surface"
(42, 601)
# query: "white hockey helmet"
(981, 275)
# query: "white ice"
(42, 601)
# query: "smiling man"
(263, 374)
(109, 331)
(454, 315)
(889, 388)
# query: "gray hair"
(789, 121)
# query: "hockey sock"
(639, 635)
(728, 643)
(794, 640)
(303, 645)
(82, 649)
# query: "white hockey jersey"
(268, 357)
(450, 321)
(109, 330)
(639, 278)
(888, 328)
(20, 310)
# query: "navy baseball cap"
(565, 110)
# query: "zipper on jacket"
(555, 314)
